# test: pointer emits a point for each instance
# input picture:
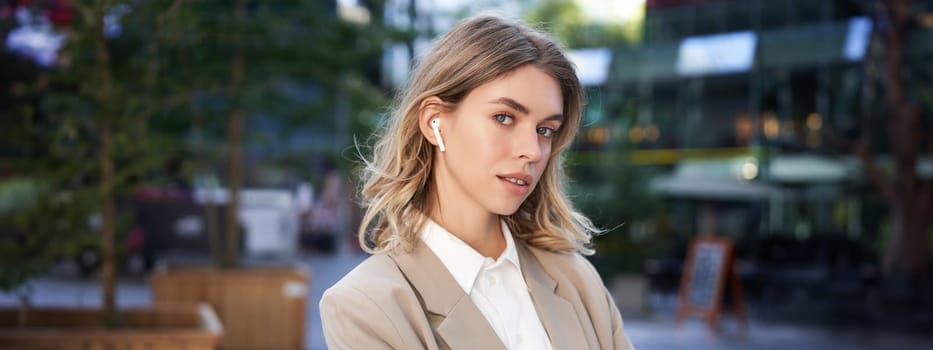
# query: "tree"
(96, 91)
(52, 137)
(910, 199)
(292, 61)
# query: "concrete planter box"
(175, 326)
(260, 308)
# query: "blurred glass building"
(742, 100)
(744, 111)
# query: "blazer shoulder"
(572, 265)
(363, 309)
(372, 275)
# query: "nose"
(528, 146)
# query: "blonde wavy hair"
(396, 181)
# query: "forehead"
(528, 85)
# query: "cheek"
(478, 144)
(483, 139)
(546, 149)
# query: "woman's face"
(498, 142)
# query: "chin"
(505, 209)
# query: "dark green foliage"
(620, 203)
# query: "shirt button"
(492, 280)
(518, 339)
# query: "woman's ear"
(430, 108)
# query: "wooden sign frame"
(709, 265)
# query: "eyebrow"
(521, 108)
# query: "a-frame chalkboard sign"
(709, 266)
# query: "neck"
(479, 229)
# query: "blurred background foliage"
(306, 75)
(566, 20)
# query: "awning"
(716, 189)
(722, 179)
(814, 169)
(719, 179)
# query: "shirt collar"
(510, 253)
(463, 262)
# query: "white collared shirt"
(496, 287)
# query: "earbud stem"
(435, 125)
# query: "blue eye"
(504, 119)
(546, 132)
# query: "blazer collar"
(461, 322)
(551, 300)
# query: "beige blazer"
(411, 301)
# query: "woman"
(475, 244)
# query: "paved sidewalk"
(660, 332)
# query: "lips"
(516, 178)
(517, 183)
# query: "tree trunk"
(907, 251)
(908, 247)
(235, 129)
(104, 126)
(108, 213)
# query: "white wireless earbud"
(435, 125)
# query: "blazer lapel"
(556, 313)
(461, 324)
